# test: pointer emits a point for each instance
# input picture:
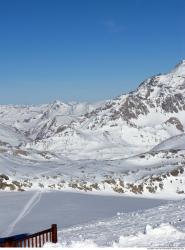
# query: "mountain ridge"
(156, 97)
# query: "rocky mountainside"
(32, 120)
(131, 144)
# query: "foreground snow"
(95, 221)
(163, 235)
(163, 226)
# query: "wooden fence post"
(54, 233)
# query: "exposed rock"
(175, 121)
(3, 176)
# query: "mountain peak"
(183, 62)
(179, 69)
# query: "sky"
(85, 50)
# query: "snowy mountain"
(145, 117)
(131, 144)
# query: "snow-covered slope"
(131, 144)
(154, 174)
(175, 142)
(10, 136)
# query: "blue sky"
(85, 49)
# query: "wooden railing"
(33, 240)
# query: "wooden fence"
(33, 240)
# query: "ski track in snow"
(25, 211)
